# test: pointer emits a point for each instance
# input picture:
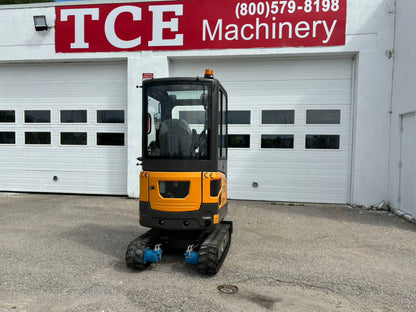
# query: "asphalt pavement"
(66, 253)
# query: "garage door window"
(239, 117)
(192, 117)
(73, 138)
(37, 138)
(7, 116)
(322, 141)
(37, 116)
(110, 116)
(7, 138)
(277, 117)
(323, 116)
(277, 141)
(73, 116)
(110, 139)
(239, 140)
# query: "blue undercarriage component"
(151, 256)
(191, 256)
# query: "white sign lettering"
(159, 25)
(110, 31)
(80, 24)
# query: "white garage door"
(290, 126)
(63, 128)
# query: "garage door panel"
(318, 174)
(64, 159)
(285, 102)
(324, 93)
(72, 72)
(68, 182)
(302, 186)
(59, 92)
(287, 195)
(330, 86)
(264, 69)
(297, 176)
(302, 168)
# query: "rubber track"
(135, 250)
(208, 262)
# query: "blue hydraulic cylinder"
(151, 256)
(191, 256)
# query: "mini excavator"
(183, 185)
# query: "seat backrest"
(175, 138)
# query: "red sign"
(147, 76)
(200, 24)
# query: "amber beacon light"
(209, 73)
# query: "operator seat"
(175, 139)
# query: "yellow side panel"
(191, 202)
(144, 186)
(222, 196)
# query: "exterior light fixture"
(40, 22)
